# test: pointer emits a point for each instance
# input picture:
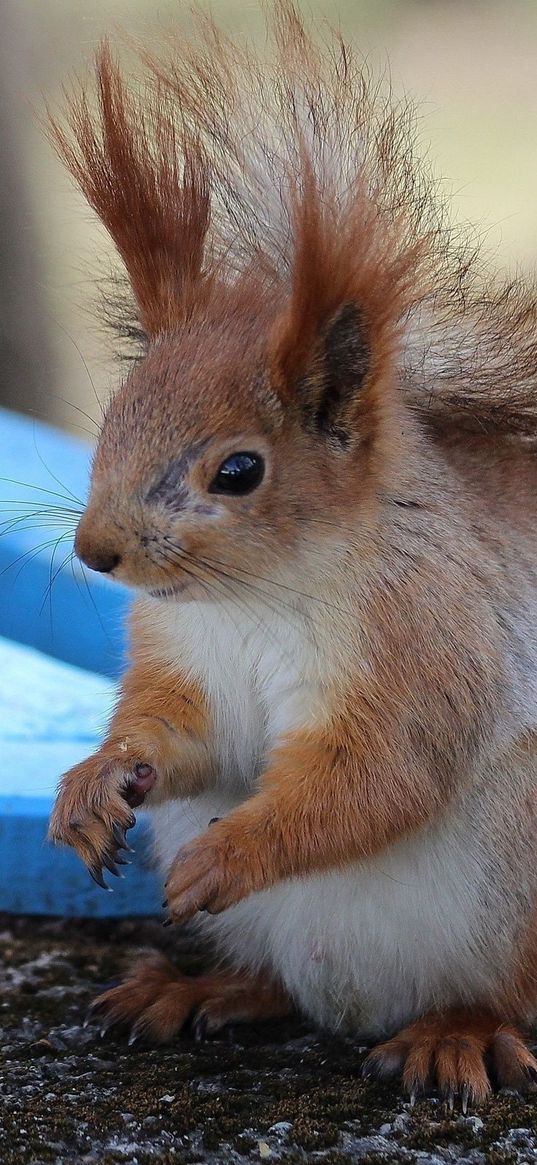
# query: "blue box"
(53, 713)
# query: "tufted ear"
(148, 181)
(328, 391)
(333, 347)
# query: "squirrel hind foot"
(155, 1002)
(461, 1053)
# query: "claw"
(168, 922)
(200, 1027)
(451, 1101)
(107, 1022)
(100, 1002)
(136, 1034)
(96, 872)
(412, 1098)
(111, 865)
(120, 836)
(465, 1093)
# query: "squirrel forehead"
(183, 394)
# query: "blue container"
(69, 613)
(55, 622)
(52, 716)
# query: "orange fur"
(161, 720)
(156, 211)
(156, 1002)
(322, 803)
(456, 1051)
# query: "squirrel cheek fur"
(331, 699)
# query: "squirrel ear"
(326, 390)
(148, 181)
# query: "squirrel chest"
(261, 673)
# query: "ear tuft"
(353, 281)
(148, 181)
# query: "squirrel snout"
(102, 560)
(98, 557)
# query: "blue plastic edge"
(38, 878)
(51, 717)
(82, 619)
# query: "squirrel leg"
(156, 1002)
(158, 745)
(241, 1000)
(318, 807)
(459, 1052)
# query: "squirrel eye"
(238, 474)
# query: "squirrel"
(319, 476)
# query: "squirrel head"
(264, 416)
(205, 465)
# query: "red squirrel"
(320, 479)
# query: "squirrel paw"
(153, 1001)
(93, 811)
(461, 1053)
(211, 873)
(156, 1002)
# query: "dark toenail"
(200, 1028)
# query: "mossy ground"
(278, 1092)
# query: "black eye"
(238, 474)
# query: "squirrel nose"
(102, 560)
(94, 547)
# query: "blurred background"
(471, 66)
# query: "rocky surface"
(274, 1092)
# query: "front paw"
(93, 810)
(211, 873)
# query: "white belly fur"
(366, 948)
(369, 948)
